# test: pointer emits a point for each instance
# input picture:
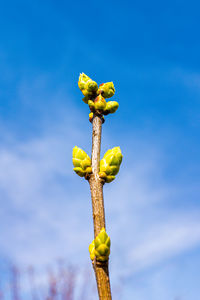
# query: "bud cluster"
(110, 164)
(100, 247)
(95, 97)
(81, 162)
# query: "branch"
(97, 173)
(96, 187)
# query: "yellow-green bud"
(106, 89)
(83, 80)
(91, 86)
(102, 246)
(91, 117)
(100, 103)
(81, 162)
(109, 165)
(87, 85)
(92, 250)
(111, 107)
(91, 105)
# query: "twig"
(96, 187)
(97, 173)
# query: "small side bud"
(91, 117)
(81, 162)
(91, 105)
(111, 107)
(92, 250)
(99, 103)
(106, 89)
(102, 246)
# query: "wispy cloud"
(46, 209)
(165, 240)
(46, 206)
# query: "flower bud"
(91, 86)
(83, 80)
(106, 89)
(111, 107)
(91, 117)
(92, 250)
(110, 164)
(99, 103)
(91, 105)
(87, 85)
(102, 246)
(81, 162)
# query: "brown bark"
(96, 187)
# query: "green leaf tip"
(110, 164)
(81, 162)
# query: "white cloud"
(164, 241)
(39, 208)
(46, 210)
(147, 227)
(46, 206)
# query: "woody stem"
(96, 187)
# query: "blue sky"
(150, 50)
